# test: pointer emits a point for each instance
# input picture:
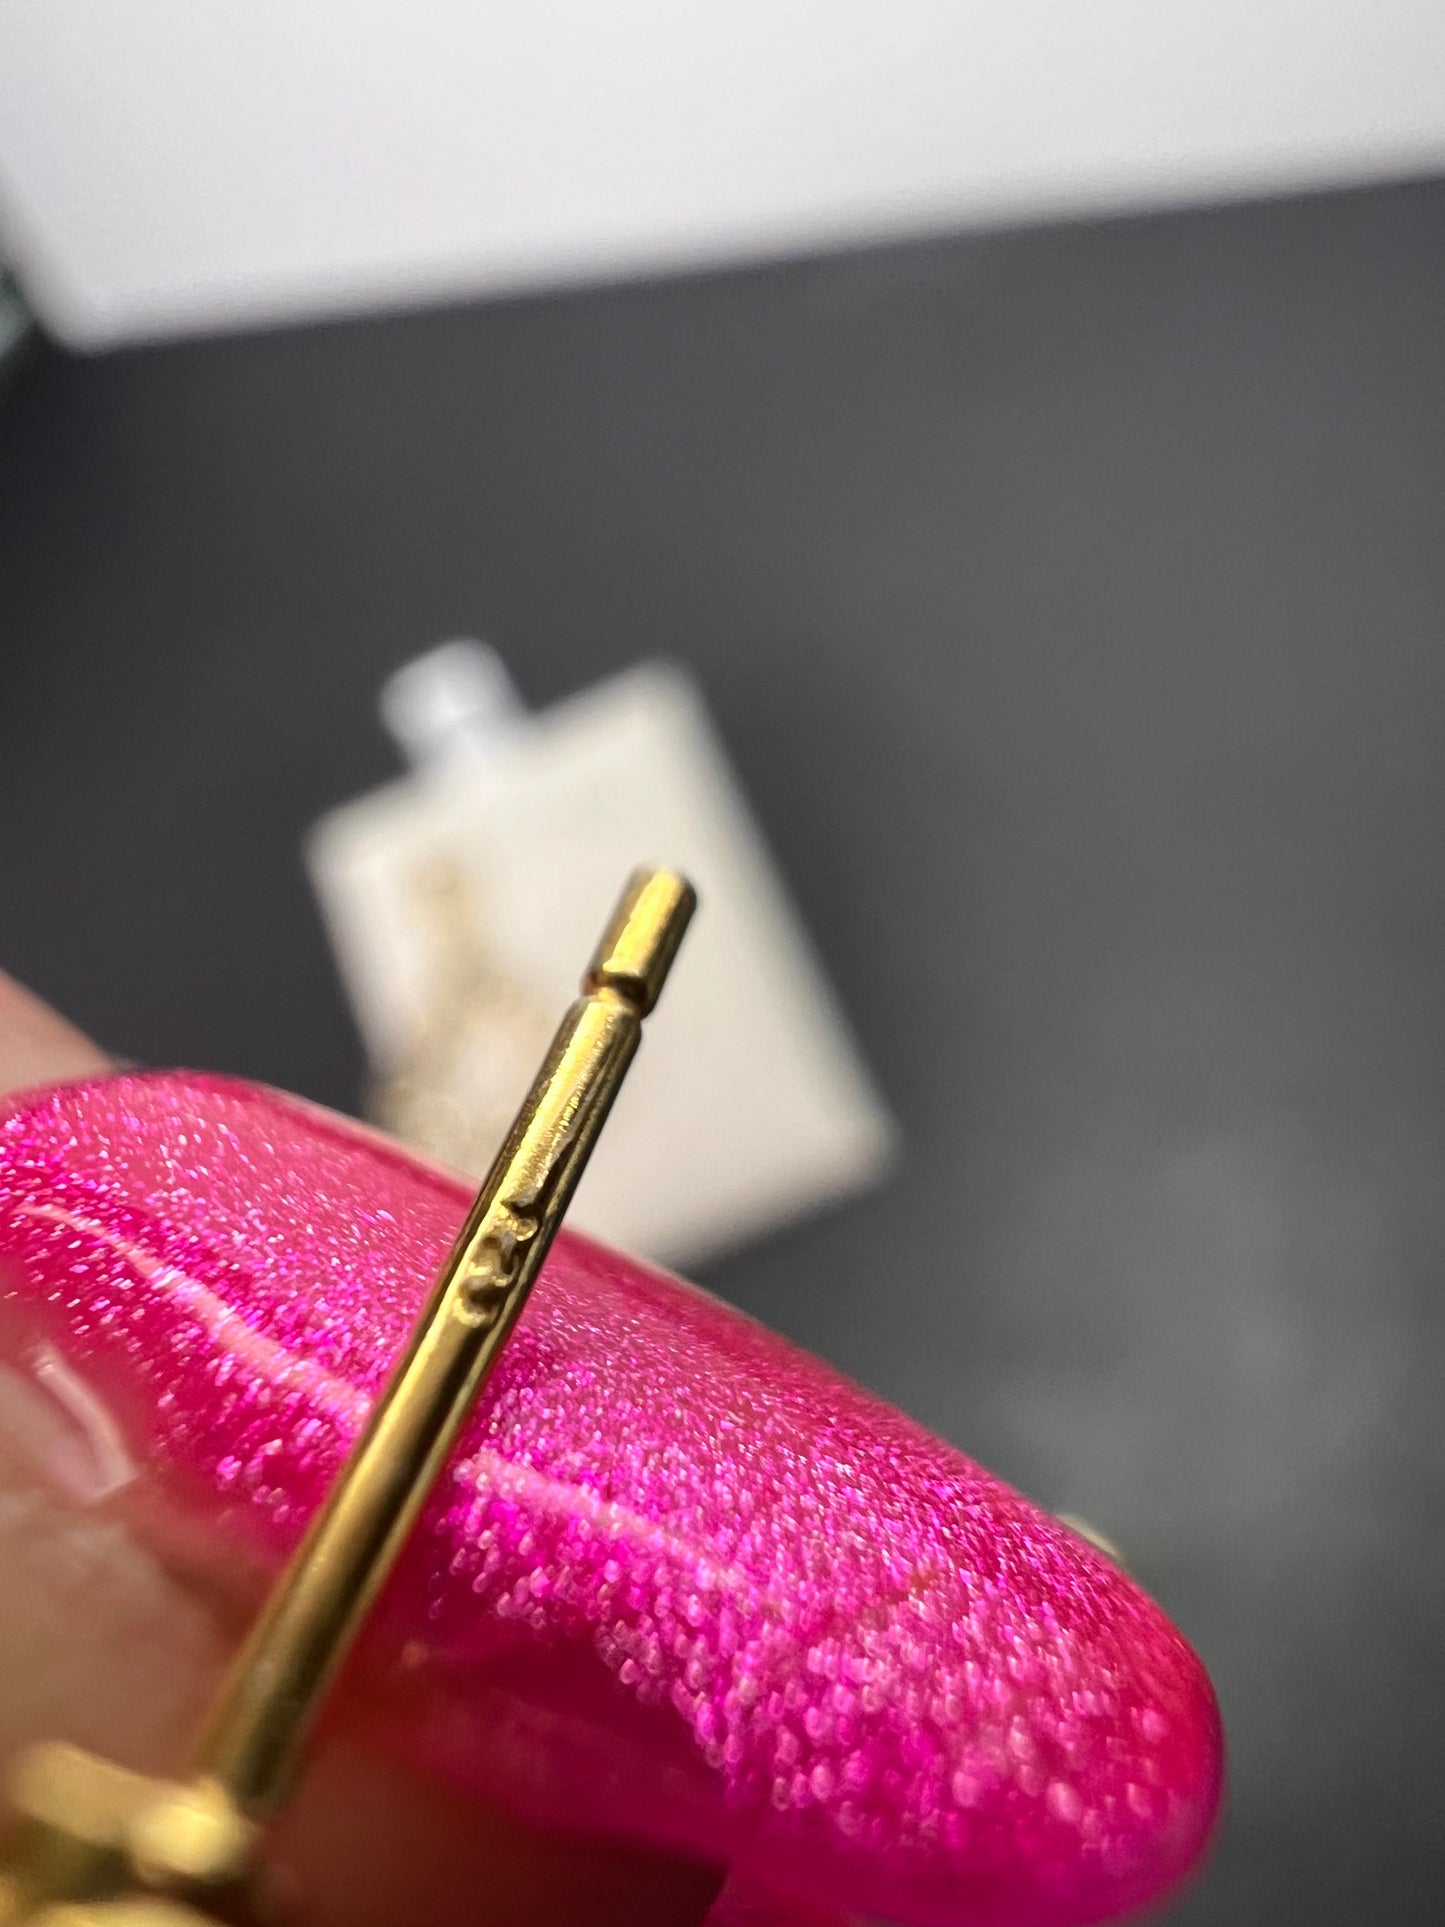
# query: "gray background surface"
(1071, 602)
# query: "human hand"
(829, 1649)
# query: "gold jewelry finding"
(95, 1845)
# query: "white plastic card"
(464, 899)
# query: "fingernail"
(682, 1584)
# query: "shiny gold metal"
(638, 946)
(88, 1833)
(138, 1910)
(308, 1623)
(97, 1846)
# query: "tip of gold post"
(640, 942)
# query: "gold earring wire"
(95, 1845)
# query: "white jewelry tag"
(462, 900)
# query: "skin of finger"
(37, 1046)
(102, 1645)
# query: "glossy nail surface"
(682, 1583)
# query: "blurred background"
(1026, 426)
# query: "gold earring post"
(102, 1847)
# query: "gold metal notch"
(94, 1845)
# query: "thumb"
(102, 1645)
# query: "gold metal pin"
(95, 1845)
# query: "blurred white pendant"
(458, 898)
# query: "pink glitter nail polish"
(682, 1582)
